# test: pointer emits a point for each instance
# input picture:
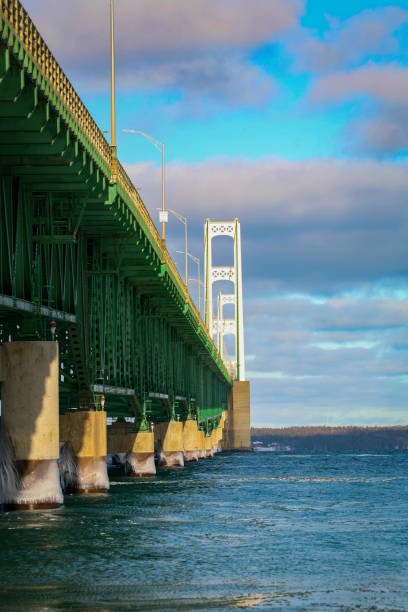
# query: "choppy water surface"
(257, 531)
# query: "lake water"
(259, 531)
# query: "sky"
(291, 115)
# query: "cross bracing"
(78, 247)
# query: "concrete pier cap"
(29, 372)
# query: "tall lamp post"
(160, 147)
(113, 100)
(183, 220)
(197, 261)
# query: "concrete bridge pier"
(220, 432)
(29, 476)
(214, 440)
(217, 435)
(83, 455)
(169, 443)
(140, 460)
(208, 446)
(136, 449)
(237, 435)
(201, 444)
(190, 440)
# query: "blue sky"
(292, 116)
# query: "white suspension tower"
(219, 326)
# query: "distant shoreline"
(353, 438)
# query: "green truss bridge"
(81, 262)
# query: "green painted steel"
(78, 247)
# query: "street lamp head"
(193, 257)
(160, 146)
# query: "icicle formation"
(40, 485)
(119, 459)
(9, 478)
(92, 474)
(82, 474)
(191, 455)
(68, 467)
(171, 459)
(140, 464)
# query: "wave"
(302, 479)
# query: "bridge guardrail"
(24, 29)
(29, 36)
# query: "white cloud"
(360, 59)
(178, 26)
(313, 225)
(337, 346)
(199, 48)
(308, 367)
(344, 44)
(388, 83)
(383, 93)
(254, 374)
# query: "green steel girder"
(36, 122)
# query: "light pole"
(183, 220)
(197, 261)
(160, 147)
(113, 97)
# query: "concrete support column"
(136, 448)
(169, 443)
(30, 415)
(190, 440)
(215, 438)
(237, 434)
(83, 455)
(208, 446)
(220, 432)
(201, 444)
(140, 459)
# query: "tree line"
(348, 438)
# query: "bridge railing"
(24, 29)
(20, 22)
